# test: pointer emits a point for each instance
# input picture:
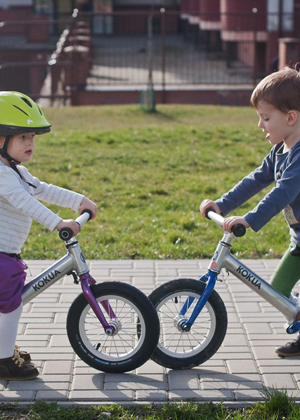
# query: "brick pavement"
(236, 374)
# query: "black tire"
(179, 349)
(128, 348)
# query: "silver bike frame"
(74, 260)
(224, 259)
(72, 263)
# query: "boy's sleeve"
(249, 186)
(286, 192)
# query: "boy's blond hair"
(280, 89)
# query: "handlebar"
(238, 230)
(66, 234)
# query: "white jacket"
(19, 205)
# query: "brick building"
(263, 35)
(248, 29)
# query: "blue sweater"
(284, 170)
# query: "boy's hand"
(71, 224)
(229, 222)
(208, 204)
(87, 204)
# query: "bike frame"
(72, 262)
(224, 259)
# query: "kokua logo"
(251, 279)
(41, 283)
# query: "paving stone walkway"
(237, 374)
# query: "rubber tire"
(147, 314)
(217, 331)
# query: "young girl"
(20, 120)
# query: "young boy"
(277, 102)
(20, 120)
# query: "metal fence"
(174, 55)
(126, 61)
(133, 49)
(169, 48)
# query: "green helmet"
(20, 114)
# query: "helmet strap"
(12, 162)
(3, 151)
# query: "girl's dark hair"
(280, 89)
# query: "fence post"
(163, 54)
(150, 51)
(255, 28)
(147, 96)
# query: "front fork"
(86, 280)
(185, 325)
(210, 279)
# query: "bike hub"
(181, 324)
(110, 331)
(114, 327)
(186, 328)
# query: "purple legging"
(12, 279)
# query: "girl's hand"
(229, 222)
(71, 224)
(208, 204)
(87, 204)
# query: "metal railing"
(132, 50)
(171, 49)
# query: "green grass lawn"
(148, 174)
(277, 406)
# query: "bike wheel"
(179, 349)
(136, 328)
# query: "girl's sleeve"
(53, 194)
(14, 193)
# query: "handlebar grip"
(238, 230)
(65, 234)
(89, 212)
(207, 211)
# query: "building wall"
(210, 10)
(243, 15)
(155, 3)
(29, 71)
(136, 20)
(13, 3)
(21, 14)
(197, 97)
